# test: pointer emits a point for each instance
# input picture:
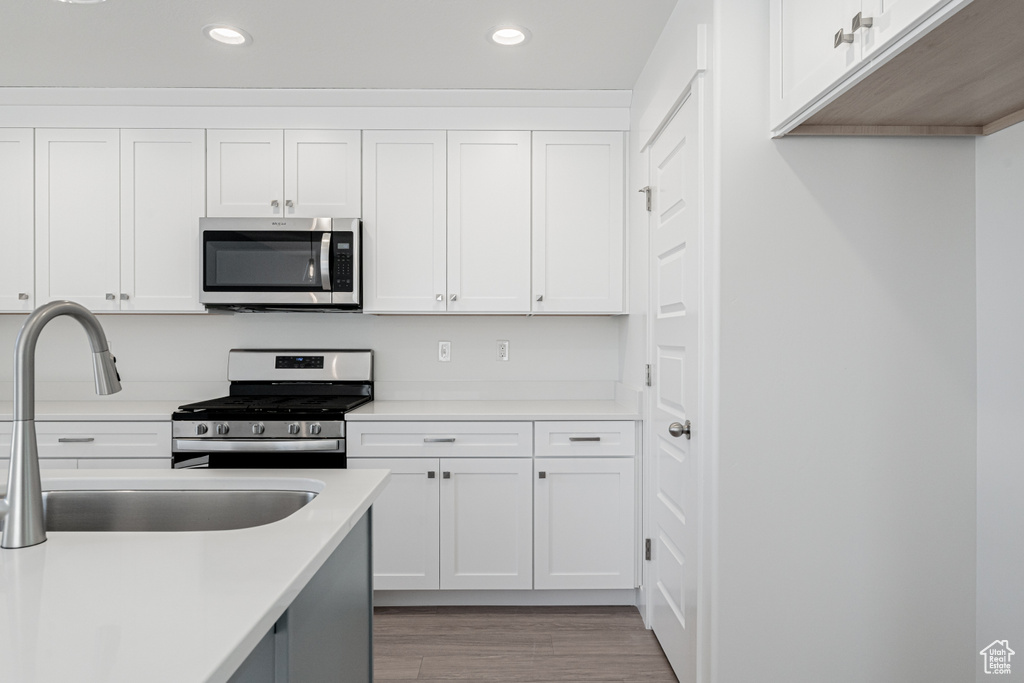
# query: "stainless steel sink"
(168, 510)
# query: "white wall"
(847, 468)
(1001, 393)
(162, 356)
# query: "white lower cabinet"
(97, 445)
(584, 523)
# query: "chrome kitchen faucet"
(22, 508)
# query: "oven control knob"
(258, 428)
(314, 429)
(222, 429)
(293, 428)
(201, 429)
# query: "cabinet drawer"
(104, 439)
(439, 439)
(585, 438)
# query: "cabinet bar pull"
(431, 474)
(446, 475)
(542, 475)
(860, 21)
(82, 439)
(584, 438)
(842, 37)
(447, 440)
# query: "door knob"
(676, 429)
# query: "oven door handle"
(325, 261)
(254, 445)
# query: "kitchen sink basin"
(168, 510)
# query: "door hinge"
(647, 192)
(649, 375)
(647, 549)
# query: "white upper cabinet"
(405, 221)
(489, 222)
(162, 198)
(817, 45)
(16, 266)
(267, 173)
(77, 217)
(578, 222)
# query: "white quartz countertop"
(492, 410)
(98, 410)
(174, 607)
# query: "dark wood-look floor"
(520, 644)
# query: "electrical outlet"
(444, 351)
(502, 349)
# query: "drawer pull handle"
(446, 475)
(446, 440)
(584, 438)
(431, 474)
(542, 475)
(68, 439)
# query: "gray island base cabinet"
(325, 636)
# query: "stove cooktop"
(270, 407)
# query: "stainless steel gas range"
(285, 409)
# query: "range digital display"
(299, 362)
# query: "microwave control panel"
(343, 257)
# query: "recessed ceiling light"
(83, 2)
(228, 35)
(508, 35)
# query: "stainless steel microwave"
(287, 263)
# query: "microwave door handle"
(325, 261)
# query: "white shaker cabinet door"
(16, 268)
(163, 195)
(486, 523)
(404, 221)
(584, 523)
(578, 222)
(78, 211)
(245, 173)
(405, 523)
(488, 222)
(322, 173)
(805, 59)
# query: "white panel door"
(486, 523)
(584, 517)
(675, 239)
(405, 523)
(577, 222)
(78, 210)
(322, 173)
(16, 257)
(891, 19)
(163, 195)
(805, 60)
(244, 173)
(404, 221)
(489, 222)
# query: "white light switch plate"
(444, 351)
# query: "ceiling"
(391, 44)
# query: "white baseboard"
(503, 598)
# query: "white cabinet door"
(486, 530)
(584, 523)
(163, 194)
(489, 222)
(77, 215)
(805, 61)
(404, 221)
(578, 221)
(16, 262)
(322, 173)
(405, 524)
(245, 173)
(890, 19)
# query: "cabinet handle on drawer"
(431, 474)
(446, 475)
(584, 438)
(447, 440)
(542, 475)
(68, 439)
